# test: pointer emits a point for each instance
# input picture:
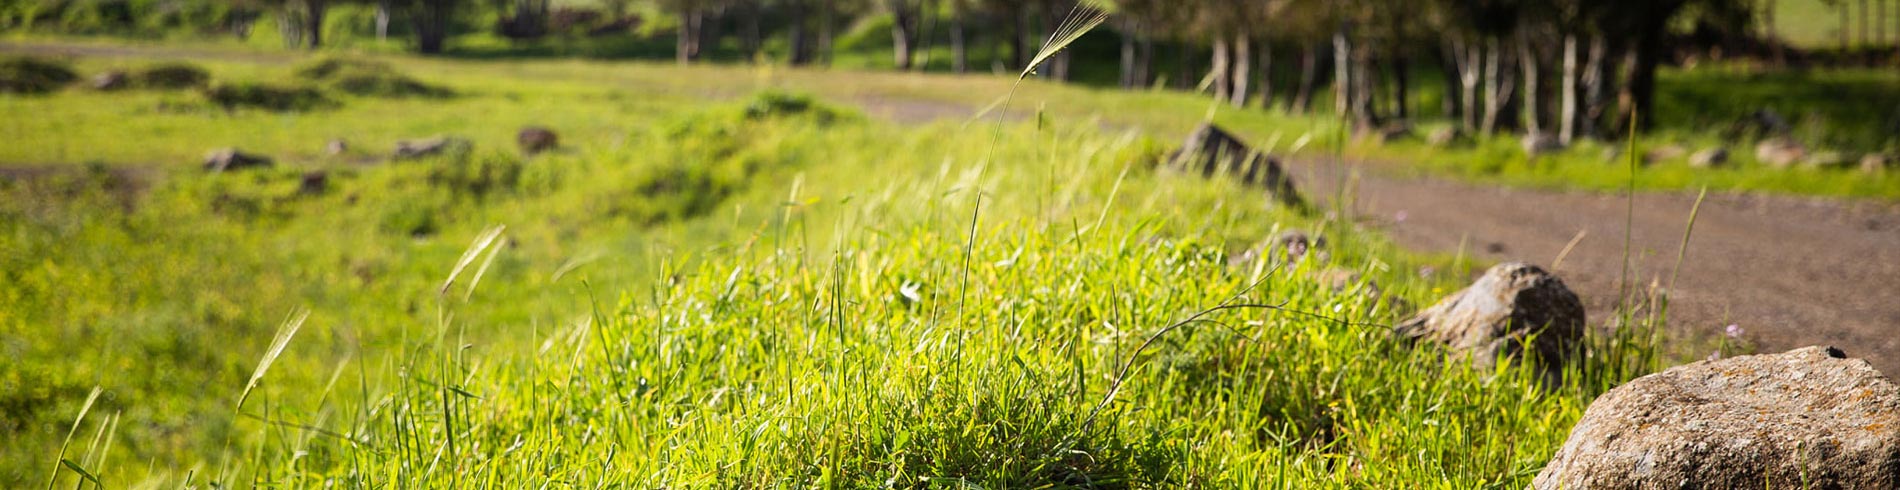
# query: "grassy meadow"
(717, 282)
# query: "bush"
(327, 68)
(367, 78)
(771, 104)
(25, 75)
(281, 98)
(171, 76)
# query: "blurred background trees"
(1568, 69)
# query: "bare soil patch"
(1791, 271)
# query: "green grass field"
(713, 285)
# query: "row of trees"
(1568, 68)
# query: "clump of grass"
(367, 78)
(29, 75)
(172, 76)
(267, 96)
(773, 104)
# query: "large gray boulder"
(1515, 308)
(1806, 418)
(1211, 151)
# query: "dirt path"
(1790, 271)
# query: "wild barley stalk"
(61, 459)
(284, 332)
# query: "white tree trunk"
(1242, 58)
(1342, 73)
(1567, 125)
(1218, 73)
(1533, 95)
(1492, 101)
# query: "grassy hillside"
(755, 291)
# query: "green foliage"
(366, 78)
(172, 76)
(267, 96)
(29, 75)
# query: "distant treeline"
(1566, 68)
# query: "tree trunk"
(382, 20)
(1450, 103)
(1266, 75)
(1128, 55)
(1342, 73)
(1242, 60)
(1533, 94)
(1309, 79)
(1402, 87)
(1642, 77)
(903, 32)
(749, 37)
(959, 47)
(1363, 109)
(1053, 16)
(686, 49)
(1018, 48)
(1493, 86)
(1596, 81)
(827, 13)
(315, 10)
(920, 35)
(432, 25)
(1774, 41)
(1567, 120)
(1144, 59)
(798, 34)
(1473, 69)
(1218, 70)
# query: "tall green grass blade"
(284, 333)
(83, 408)
(482, 241)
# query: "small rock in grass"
(314, 182)
(1806, 418)
(1446, 137)
(1780, 152)
(336, 147)
(536, 139)
(1538, 144)
(1663, 153)
(225, 159)
(1826, 160)
(110, 81)
(1875, 163)
(1514, 308)
(1293, 245)
(428, 147)
(1709, 158)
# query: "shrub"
(282, 98)
(771, 104)
(173, 76)
(26, 75)
(367, 78)
(327, 68)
